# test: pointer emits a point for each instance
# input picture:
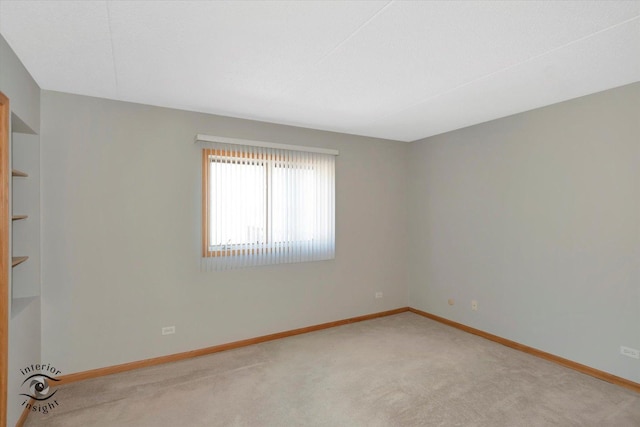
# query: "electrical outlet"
(474, 305)
(451, 301)
(168, 330)
(629, 352)
(378, 294)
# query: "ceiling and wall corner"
(387, 69)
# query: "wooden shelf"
(18, 260)
(24, 186)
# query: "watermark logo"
(37, 387)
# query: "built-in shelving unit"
(25, 203)
(18, 260)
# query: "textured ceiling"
(398, 70)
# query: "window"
(264, 205)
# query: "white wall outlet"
(378, 294)
(629, 352)
(451, 301)
(168, 330)
(474, 305)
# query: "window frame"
(238, 249)
(206, 245)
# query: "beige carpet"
(402, 370)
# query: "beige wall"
(121, 236)
(537, 217)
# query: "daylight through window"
(266, 206)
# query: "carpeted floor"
(402, 370)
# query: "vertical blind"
(266, 205)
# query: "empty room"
(319, 213)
